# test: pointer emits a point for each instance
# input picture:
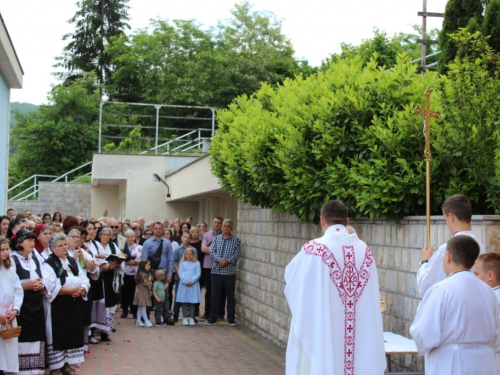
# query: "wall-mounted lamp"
(159, 179)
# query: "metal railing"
(36, 179)
(187, 144)
(195, 143)
(34, 188)
(157, 117)
(420, 59)
(181, 148)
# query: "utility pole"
(424, 41)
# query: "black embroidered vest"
(56, 264)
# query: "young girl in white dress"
(11, 299)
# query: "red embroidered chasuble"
(350, 283)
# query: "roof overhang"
(9, 63)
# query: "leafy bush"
(347, 133)
(350, 133)
(468, 138)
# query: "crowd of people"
(63, 278)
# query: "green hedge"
(348, 133)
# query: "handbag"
(156, 257)
(170, 320)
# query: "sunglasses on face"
(114, 226)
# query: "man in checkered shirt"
(225, 252)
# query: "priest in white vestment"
(333, 293)
(457, 212)
(457, 322)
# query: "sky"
(316, 28)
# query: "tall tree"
(253, 49)
(491, 25)
(96, 22)
(386, 48)
(177, 62)
(458, 14)
(59, 136)
(156, 65)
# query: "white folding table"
(397, 344)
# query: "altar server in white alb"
(333, 293)
(487, 268)
(457, 212)
(457, 322)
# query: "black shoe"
(203, 318)
(210, 322)
(124, 316)
(176, 318)
(105, 337)
(233, 323)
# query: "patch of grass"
(83, 180)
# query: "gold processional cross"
(427, 113)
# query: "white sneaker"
(139, 324)
(148, 324)
(191, 322)
(185, 321)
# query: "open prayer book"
(117, 258)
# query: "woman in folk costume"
(66, 286)
(32, 319)
(11, 299)
(128, 290)
(87, 264)
(42, 233)
(104, 286)
(99, 314)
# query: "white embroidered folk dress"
(57, 358)
(87, 256)
(333, 293)
(456, 325)
(432, 272)
(135, 252)
(33, 353)
(110, 311)
(11, 297)
(100, 318)
(42, 256)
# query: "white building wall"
(4, 142)
(11, 76)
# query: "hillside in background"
(21, 107)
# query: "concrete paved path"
(200, 349)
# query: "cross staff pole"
(427, 113)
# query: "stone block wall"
(270, 240)
(67, 198)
